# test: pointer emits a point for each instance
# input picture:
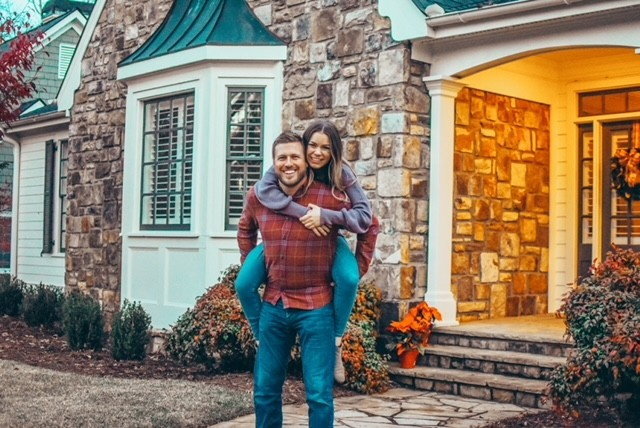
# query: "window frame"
(228, 157)
(181, 227)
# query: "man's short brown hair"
(284, 138)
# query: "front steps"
(496, 366)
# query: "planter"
(408, 359)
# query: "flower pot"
(409, 358)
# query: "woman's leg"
(252, 274)
(346, 276)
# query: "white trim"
(460, 58)
(406, 21)
(489, 18)
(72, 80)
(443, 92)
(201, 54)
(75, 21)
(39, 122)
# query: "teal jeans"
(278, 330)
(345, 272)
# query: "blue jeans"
(278, 329)
(345, 273)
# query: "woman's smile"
(319, 151)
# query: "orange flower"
(414, 330)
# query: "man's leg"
(276, 339)
(316, 329)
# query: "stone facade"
(94, 192)
(501, 206)
(343, 65)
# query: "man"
(298, 295)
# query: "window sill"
(160, 234)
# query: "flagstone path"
(400, 408)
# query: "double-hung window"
(167, 163)
(245, 136)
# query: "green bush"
(83, 322)
(42, 305)
(216, 333)
(603, 318)
(11, 296)
(130, 332)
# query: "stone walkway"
(400, 408)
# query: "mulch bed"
(44, 348)
(600, 417)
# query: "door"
(619, 216)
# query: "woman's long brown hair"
(336, 163)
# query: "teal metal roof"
(51, 108)
(56, 6)
(194, 23)
(459, 5)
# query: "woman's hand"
(321, 231)
(312, 218)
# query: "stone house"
(22, 153)
(481, 133)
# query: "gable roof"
(459, 5)
(195, 23)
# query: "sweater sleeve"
(359, 217)
(366, 246)
(271, 196)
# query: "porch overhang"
(409, 22)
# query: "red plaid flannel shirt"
(299, 262)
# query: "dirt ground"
(44, 348)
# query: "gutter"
(33, 122)
(488, 12)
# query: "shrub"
(130, 332)
(215, 332)
(366, 370)
(603, 318)
(83, 322)
(42, 305)
(11, 296)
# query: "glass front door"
(618, 215)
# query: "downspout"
(15, 197)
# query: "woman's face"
(319, 151)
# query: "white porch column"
(443, 91)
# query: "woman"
(323, 147)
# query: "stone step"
(484, 386)
(532, 366)
(502, 341)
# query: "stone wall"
(93, 253)
(501, 206)
(343, 65)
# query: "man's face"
(290, 164)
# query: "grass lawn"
(33, 396)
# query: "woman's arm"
(271, 196)
(359, 217)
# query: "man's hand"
(312, 219)
(321, 231)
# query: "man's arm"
(366, 246)
(248, 227)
